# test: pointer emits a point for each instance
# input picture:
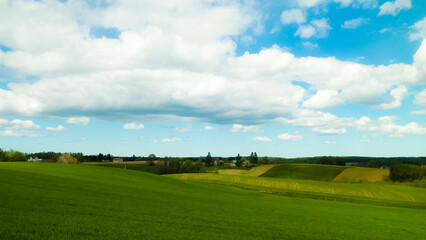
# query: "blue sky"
(282, 78)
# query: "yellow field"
(357, 174)
(232, 171)
(254, 172)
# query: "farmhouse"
(116, 160)
(34, 159)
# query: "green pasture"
(385, 194)
(59, 201)
(304, 171)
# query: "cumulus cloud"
(394, 7)
(418, 30)
(58, 128)
(262, 139)
(354, 23)
(287, 136)
(242, 128)
(324, 99)
(78, 120)
(329, 131)
(209, 128)
(386, 125)
(171, 140)
(293, 16)
(183, 129)
(318, 28)
(19, 128)
(305, 31)
(164, 64)
(133, 126)
(420, 98)
(395, 98)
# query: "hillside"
(358, 174)
(304, 171)
(59, 201)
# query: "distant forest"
(246, 161)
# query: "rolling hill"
(304, 171)
(59, 201)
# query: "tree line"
(407, 172)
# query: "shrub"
(67, 158)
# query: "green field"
(59, 201)
(304, 171)
(255, 172)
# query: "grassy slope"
(359, 174)
(304, 171)
(256, 171)
(54, 201)
(385, 194)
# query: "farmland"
(60, 201)
(304, 171)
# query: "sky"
(294, 78)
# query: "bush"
(67, 158)
(13, 156)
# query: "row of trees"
(407, 172)
(11, 156)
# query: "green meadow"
(304, 171)
(64, 201)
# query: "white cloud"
(209, 128)
(418, 30)
(329, 131)
(395, 98)
(308, 45)
(420, 98)
(242, 128)
(324, 99)
(310, 3)
(354, 23)
(293, 16)
(58, 128)
(176, 60)
(133, 126)
(330, 142)
(394, 7)
(318, 28)
(171, 140)
(183, 130)
(19, 128)
(78, 120)
(384, 30)
(286, 136)
(305, 31)
(262, 139)
(386, 125)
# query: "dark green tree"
(208, 161)
(238, 161)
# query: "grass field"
(384, 194)
(256, 171)
(59, 201)
(304, 171)
(358, 174)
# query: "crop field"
(60, 201)
(256, 171)
(304, 171)
(358, 174)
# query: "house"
(34, 159)
(117, 160)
